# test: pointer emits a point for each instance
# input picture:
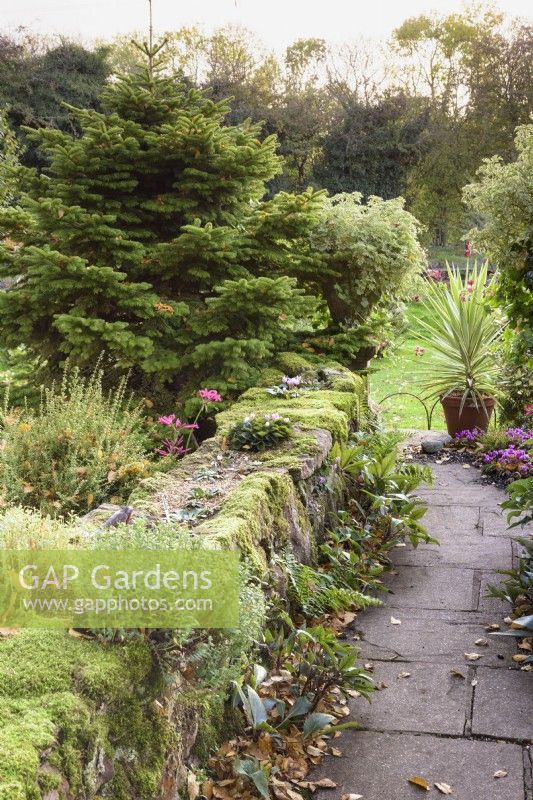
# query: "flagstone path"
(440, 716)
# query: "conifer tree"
(148, 238)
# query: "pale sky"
(277, 22)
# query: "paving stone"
(469, 551)
(431, 587)
(431, 636)
(503, 704)
(377, 766)
(454, 485)
(494, 523)
(492, 604)
(430, 700)
(451, 524)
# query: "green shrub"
(81, 447)
(259, 432)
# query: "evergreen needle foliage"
(142, 236)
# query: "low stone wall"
(137, 736)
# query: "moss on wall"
(53, 689)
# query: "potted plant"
(460, 337)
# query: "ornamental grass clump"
(259, 432)
(82, 446)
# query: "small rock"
(434, 441)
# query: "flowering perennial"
(511, 459)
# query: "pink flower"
(468, 249)
(209, 396)
(528, 409)
(419, 351)
(167, 420)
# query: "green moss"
(252, 518)
(52, 689)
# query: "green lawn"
(398, 373)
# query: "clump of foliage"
(81, 447)
(147, 237)
(382, 511)
(259, 431)
(503, 200)
(370, 256)
(518, 586)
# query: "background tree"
(37, 80)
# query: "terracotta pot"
(470, 417)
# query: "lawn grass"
(450, 254)
(398, 372)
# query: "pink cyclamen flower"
(528, 409)
(209, 396)
(468, 249)
(167, 420)
(419, 351)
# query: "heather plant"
(82, 446)
(259, 432)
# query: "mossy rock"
(53, 689)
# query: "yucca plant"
(461, 336)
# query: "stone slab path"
(449, 720)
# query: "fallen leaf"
(193, 787)
(492, 627)
(481, 642)
(457, 674)
(520, 657)
(466, 466)
(395, 621)
(336, 752)
(501, 773)
(444, 788)
(526, 645)
(508, 620)
(473, 656)
(404, 675)
(325, 783)
(369, 666)
(421, 783)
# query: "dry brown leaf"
(500, 773)
(473, 656)
(492, 627)
(394, 621)
(520, 657)
(404, 675)
(353, 693)
(420, 783)
(193, 787)
(526, 645)
(508, 620)
(314, 751)
(325, 783)
(335, 752)
(207, 789)
(457, 674)
(444, 788)
(482, 642)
